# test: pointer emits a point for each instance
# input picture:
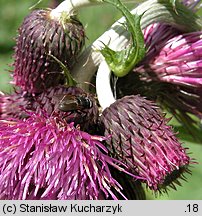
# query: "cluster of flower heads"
(74, 153)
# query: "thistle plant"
(61, 139)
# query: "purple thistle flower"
(172, 71)
(46, 158)
(152, 40)
(141, 139)
(178, 61)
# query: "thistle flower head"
(178, 61)
(172, 71)
(39, 37)
(155, 36)
(46, 158)
(141, 138)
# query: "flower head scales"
(141, 138)
(41, 36)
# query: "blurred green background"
(96, 19)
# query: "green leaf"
(122, 62)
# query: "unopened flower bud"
(141, 139)
(41, 36)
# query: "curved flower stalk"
(141, 139)
(46, 158)
(153, 45)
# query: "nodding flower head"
(141, 139)
(40, 36)
(173, 69)
(177, 61)
(46, 158)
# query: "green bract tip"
(69, 80)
